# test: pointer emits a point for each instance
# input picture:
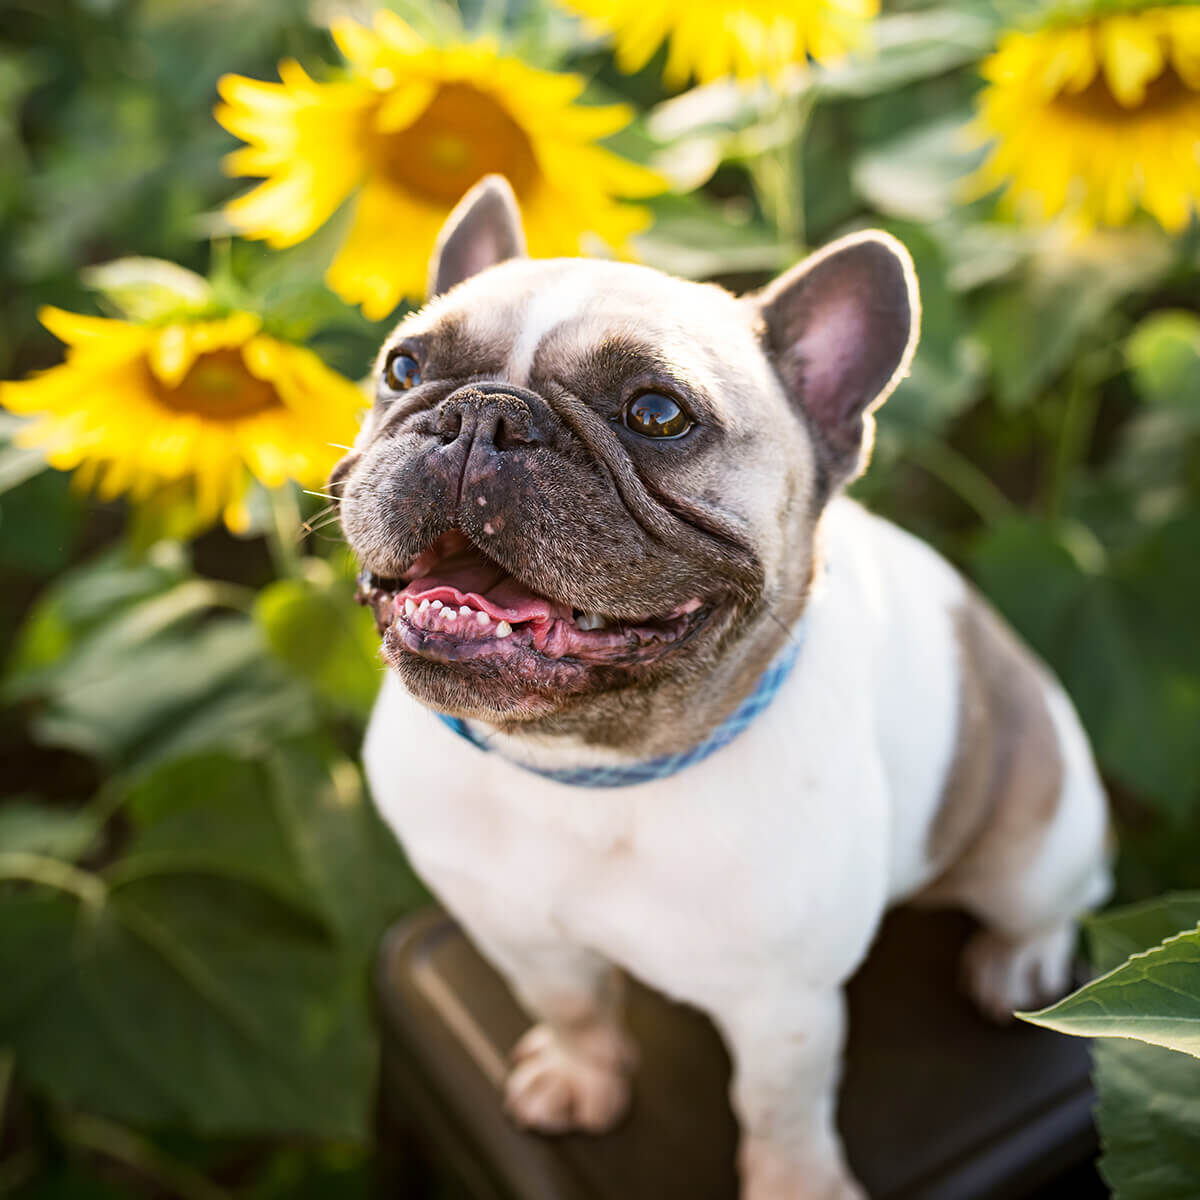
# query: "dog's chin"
(469, 639)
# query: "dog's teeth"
(590, 621)
(423, 606)
(436, 604)
(503, 629)
(465, 611)
(410, 607)
(483, 618)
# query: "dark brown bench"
(936, 1104)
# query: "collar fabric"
(626, 775)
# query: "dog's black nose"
(492, 416)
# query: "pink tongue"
(470, 579)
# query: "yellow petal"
(1133, 56)
(386, 254)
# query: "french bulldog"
(598, 506)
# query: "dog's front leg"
(786, 1047)
(572, 1070)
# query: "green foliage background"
(196, 879)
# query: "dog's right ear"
(484, 229)
(840, 329)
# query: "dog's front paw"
(1004, 975)
(563, 1083)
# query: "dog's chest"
(672, 880)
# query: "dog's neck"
(649, 725)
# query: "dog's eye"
(657, 416)
(402, 372)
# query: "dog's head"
(586, 488)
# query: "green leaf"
(906, 47)
(29, 827)
(314, 626)
(1148, 1115)
(149, 289)
(1033, 324)
(178, 692)
(1115, 935)
(296, 822)
(40, 521)
(1116, 632)
(1154, 997)
(1164, 356)
(80, 601)
(220, 982)
(1148, 1112)
(17, 464)
(698, 238)
(184, 1000)
(918, 175)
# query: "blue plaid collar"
(769, 683)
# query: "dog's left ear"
(484, 229)
(840, 329)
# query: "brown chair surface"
(936, 1104)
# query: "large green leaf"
(136, 663)
(1154, 997)
(182, 691)
(1148, 1112)
(295, 821)
(1148, 1115)
(183, 1000)
(1116, 631)
(214, 976)
(80, 602)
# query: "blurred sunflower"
(1097, 118)
(207, 403)
(410, 129)
(710, 39)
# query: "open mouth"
(454, 604)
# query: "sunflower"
(710, 39)
(206, 403)
(1097, 118)
(408, 131)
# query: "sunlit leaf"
(313, 625)
(1164, 356)
(1154, 997)
(149, 289)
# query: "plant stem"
(1074, 441)
(963, 478)
(54, 873)
(115, 1141)
(778, 172)
(283, 534)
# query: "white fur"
(543, 311)
(750, 886)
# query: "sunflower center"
(218, 386)
(1163, 94)
(463, 135)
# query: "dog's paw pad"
(556, 1087)
(1004, 975)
